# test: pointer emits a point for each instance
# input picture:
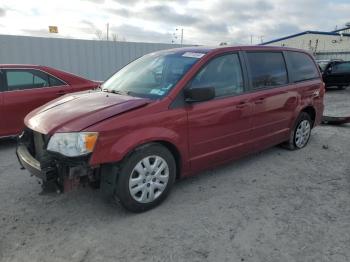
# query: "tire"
(297, 140)
(341, 87)
(145, 177)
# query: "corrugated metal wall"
(334, 55)
(92, 59)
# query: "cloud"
(212, 27)
(95, 1)
(2, 12)
(203, 21)
(123, 12)
(37, 32)
(166, 14)
(138, 34)
(127, 2)
(157, 13)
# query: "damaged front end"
(65, 173)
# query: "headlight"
(73, 144)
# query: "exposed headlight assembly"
(73, 144)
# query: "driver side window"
(224, 74)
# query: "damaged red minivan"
(171, 114)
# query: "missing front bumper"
(66, 173)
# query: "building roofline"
(341, 29)
(304, 33)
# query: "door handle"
(259, 100)
(61, 93)
(242, 104)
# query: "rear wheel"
(341, 87)
(301, 132)
(146, 177)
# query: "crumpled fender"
(111, 149)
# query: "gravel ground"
(274, 206)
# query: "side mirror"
(199, 94)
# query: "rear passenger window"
(223, 73)
(302, 67)
(21, 79)
(267, 69)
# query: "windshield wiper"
(118, 92)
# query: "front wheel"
(301, 133)
(145, 177)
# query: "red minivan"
(173, 113)
(26, 87)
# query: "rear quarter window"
(301, 66)
(55, 82)
(267, 69)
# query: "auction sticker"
(157, 92)
(194, 55)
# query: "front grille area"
(39, 145)
(35, 143)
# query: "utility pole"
(251, 39)
(261, 39)
(182, 35)
(107, 31)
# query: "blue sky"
(204, 22)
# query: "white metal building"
(324, 45)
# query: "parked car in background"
(323, 63)
(26, 87)
(337, 74)
(171, 114)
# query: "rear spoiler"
(335, 120)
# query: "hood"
(75, 112)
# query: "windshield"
(151, 76)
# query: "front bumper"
(28, 162)
(65, 172)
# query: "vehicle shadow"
(336, 89)
(7, 143)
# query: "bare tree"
(114, 37)
(99, 34)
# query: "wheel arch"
(311, 111)
(168, 145)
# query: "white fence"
(92, 59)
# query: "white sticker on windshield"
(157, 92)
(194, 55)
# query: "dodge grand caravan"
(171, 114)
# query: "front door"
(219, 129)
(27, 89)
